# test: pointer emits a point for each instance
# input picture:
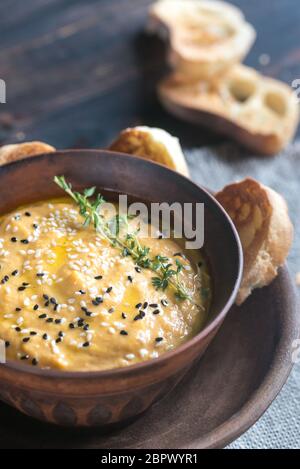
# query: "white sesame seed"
(130, 356)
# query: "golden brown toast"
(152, 144)
(261, 217)
(19, 151)
(205, 37)
(259, 112)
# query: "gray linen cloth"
(214, 167)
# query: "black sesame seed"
(58, 340)
(141, 315)
(153, 305)
(22, 288)
(53, 301)
(33, 333)
(34, 362)
(86, 344)
(15, 272)
(164, 302)
(57, 321)
(45, 336)
(24, 357)
(159, 339)
(49, 320)
(61, 334)
(40, 274)
(111, 310)
(109, 289)
(25, 284)
(27, 214)
(122, 332)
(97, 301)
(138, 270)
(35, 307)
(98, 277)
(138, 306)
(13, 239)
(84, 308)
(18, 310)
(7, 344)
(88, 313)
(86, 327)
(5, 279)
(124, 316)
(82, 292)
(17, 329)
(130, 278)
(35, 226)
(80, 322)
(145, 305)
(47, 304)
(55, 307)
(46, 297)
(42, 316)
(156, 311)
(71, 326)
(26, 339)
(24, 241)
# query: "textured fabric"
(214, 167)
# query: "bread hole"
(276, 102)
(242, 89)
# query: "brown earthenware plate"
(227, 391)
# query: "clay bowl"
(110, 397)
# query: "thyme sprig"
(89, 203)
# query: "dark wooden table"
(79, 71)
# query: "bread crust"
(19, 151)
(260, 113)
(261, 217)
(205, 38)
(152, 144)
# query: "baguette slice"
(259, 112)
(19, 151)
(205, 37)
(261, 217)
(152, 144)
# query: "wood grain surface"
(79, 71)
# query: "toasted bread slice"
(259, 112)
(261, 217)
(19, 151)
(152, 144)
(205, 37)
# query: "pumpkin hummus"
(70, 301)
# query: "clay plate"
(228, 390)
